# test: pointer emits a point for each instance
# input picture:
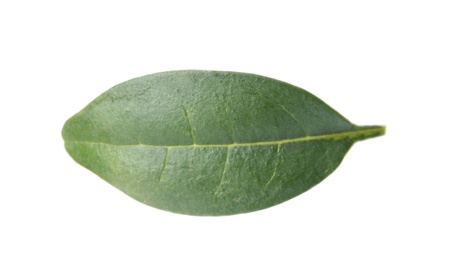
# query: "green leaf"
(210, 142)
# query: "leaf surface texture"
(210, 142)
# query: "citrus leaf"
(210, 142)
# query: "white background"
(376, 62)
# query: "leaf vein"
(275, 167)
(164, 164)
(283, 108)
(190, 124)
(295, 119)
(355, 135)
(223, 171)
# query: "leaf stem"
(367, 132)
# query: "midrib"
(356, 135)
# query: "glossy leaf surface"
(210, 142)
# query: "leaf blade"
(210, 143)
